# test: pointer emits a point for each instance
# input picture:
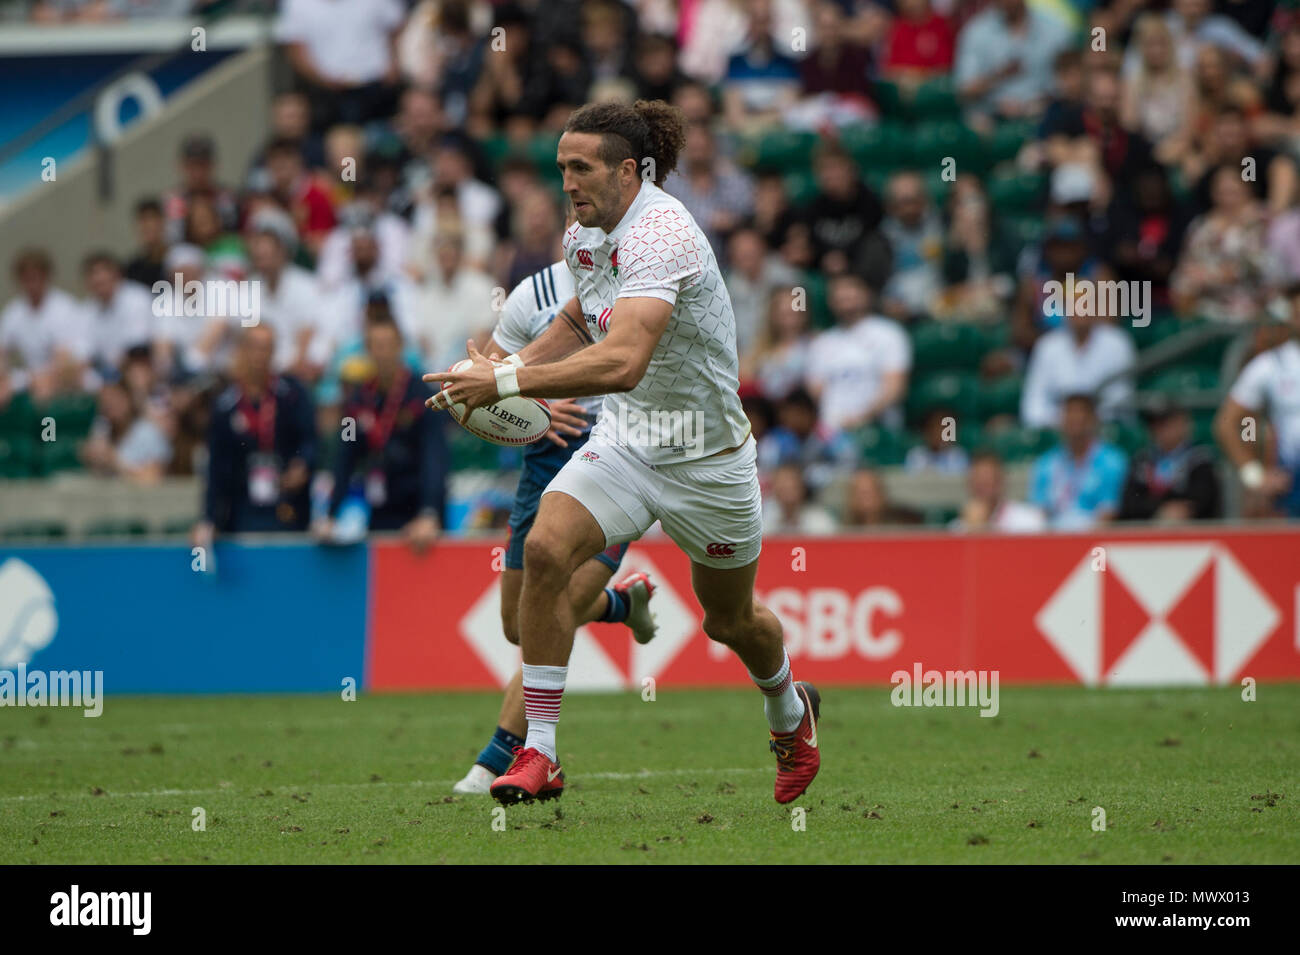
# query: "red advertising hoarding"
(1111, 608)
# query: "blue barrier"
(272, 618)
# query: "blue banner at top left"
(274, 618)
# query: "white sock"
(781, 701)
(543, 690)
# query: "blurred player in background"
(652, 326)
(529, 310)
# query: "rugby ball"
(511, 421)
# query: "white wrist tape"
(507, 380)
(1252, 475)
(514, 360)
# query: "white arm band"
(514, 360)
(507, 380)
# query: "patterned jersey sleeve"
(659, 256)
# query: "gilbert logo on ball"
(511, 422)
(27, 617)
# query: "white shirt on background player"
(1270, 383)
(347, 41)
(849, 365)
(530, 308)
(663, 254)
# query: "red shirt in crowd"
(926, 45)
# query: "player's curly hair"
(648, 129)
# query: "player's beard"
(600, 205)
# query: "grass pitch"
(1184, 776)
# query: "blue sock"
(498, 753)
(617, 608)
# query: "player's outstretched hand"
(567, 417)
(474, 387)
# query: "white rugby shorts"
(711, 508)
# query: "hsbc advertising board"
(1112, 609)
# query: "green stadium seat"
(53, 457)
(1017, 444)
(1180, 379)
(17, 456)
(18, 418)
(1000, 396)
(1128, 436)
(931, 143)
(37, 530)
(879, 446)
(1161, 326)
(800, 187)
(780, 151)
(879, 147)
(117, 527)
(956, 390)
(1016, 192)
(940, 346)
(936, 99)
(940, 516)
(72, 414)
(1005, 141)
(889, 97)
(818, 304)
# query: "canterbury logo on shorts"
(721, 550)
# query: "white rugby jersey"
(529, 310)
(1270, 383)
(686, 405)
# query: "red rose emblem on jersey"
(613, 260)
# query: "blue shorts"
(540, 467)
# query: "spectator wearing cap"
(1267, 391)
(914, 232)
(261, 447)
(1171, 479)
(343, 55)
(788, 507)
(858, 370)
(1079, 483)
(146, 266)
(716, 193)
(1004, 60)
(987, 506)
(42, 332)
(290, 300)
(1089, 354)
(1064, 251)
(198, 175)
(394, 452)
(118, 313)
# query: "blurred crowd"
(406, 184)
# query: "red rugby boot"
(797, 755)
(531, 776)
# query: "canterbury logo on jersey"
(584, 259)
